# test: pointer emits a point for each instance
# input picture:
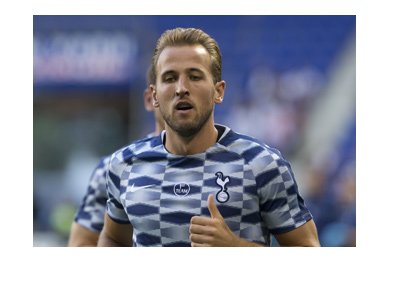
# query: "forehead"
(184, 57)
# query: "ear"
(148, 99)
(219, 92)
(154, 95)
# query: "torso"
(160, 192)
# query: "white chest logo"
(222, 196)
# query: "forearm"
(305, 235)
(245, 243)
(80, 236)
(115, 234)
(107, 241)
(81, 243)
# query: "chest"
(173, 193)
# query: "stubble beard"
(187, 129)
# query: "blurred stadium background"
(291, 82)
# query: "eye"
(169, 78)
(195, 77)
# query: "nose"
(181, 87)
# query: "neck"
(198, 143)
(158, 128)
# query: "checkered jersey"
(93, 207)
(158, 192)
(91, 211)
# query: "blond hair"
(189, 36)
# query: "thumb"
(212, 207)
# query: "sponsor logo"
(181, 189)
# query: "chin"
(186, 130)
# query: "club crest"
(222, 196)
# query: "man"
(199, 183)
(89, 219)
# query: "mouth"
(183, 106)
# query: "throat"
(198, 143)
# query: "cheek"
(213, 95)
(163, 93)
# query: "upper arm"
(81, 236)
(89, 217)
(305, 235)
(115, 234)
(117, 230)
(281, 206)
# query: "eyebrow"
(188, 70)
(168, 72)
(196, 70)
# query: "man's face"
(185, 92)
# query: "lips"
(183, 105)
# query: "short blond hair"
(189, 36)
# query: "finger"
(212, 207)
(201, 229)
(200, 244)
(200, 220)
(199, 238)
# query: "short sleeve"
(115, 207)
(281, 206)
(91, 211)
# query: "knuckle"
(213, 231)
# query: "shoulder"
(101, 168)
(249, 148)
(263, 163)
(135, 150)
